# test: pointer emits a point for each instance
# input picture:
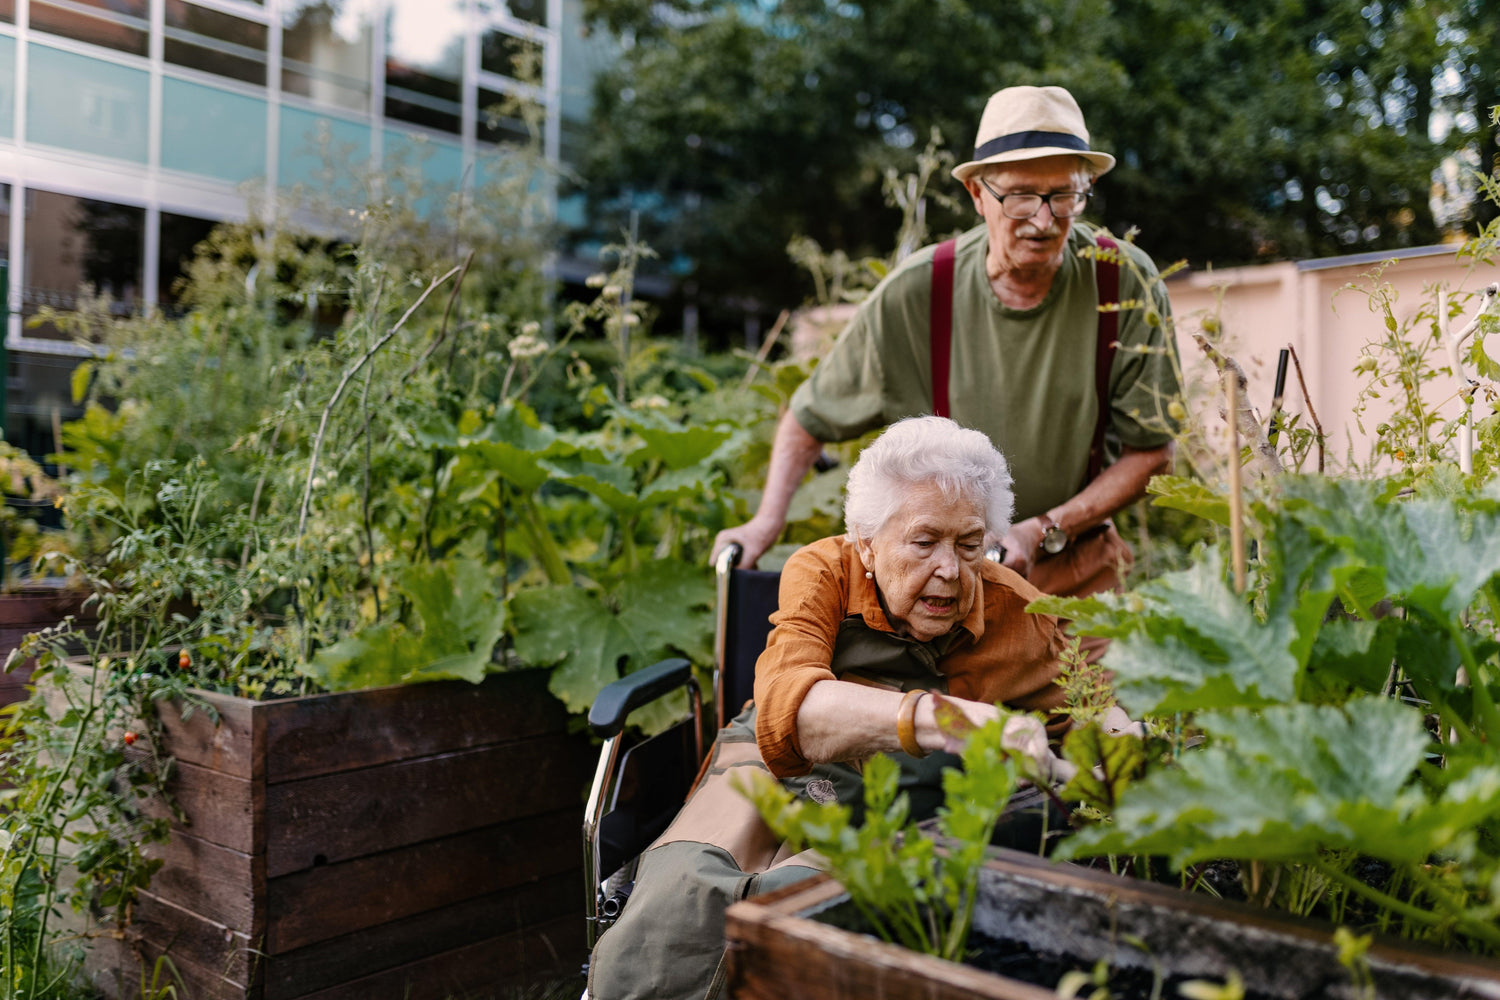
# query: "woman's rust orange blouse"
(998, 654)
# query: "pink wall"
(1310, 306)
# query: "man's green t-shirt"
(1024, 377)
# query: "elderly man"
(1002, 330)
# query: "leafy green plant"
(27, 489)
(910, 892)
(1310, 762)
(325, 474)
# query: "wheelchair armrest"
(608, 712)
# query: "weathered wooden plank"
(227, 744)
(13, 685)
(214, 882)
(331, 900)
(326, 733)
(774, 954)
(354, 956)
(336, 817)
(482, 969)
(114, 968)
(184, 936)
(220, 808)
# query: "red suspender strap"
(1107, 274)
(941, 335)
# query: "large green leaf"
(1293, 781)
(1356, 653)
(668, 606)
(613, 484)
(573, 632)
(515, 444)
(664, 609)
(672, 488)
(459, 619)
(675, 445)
(1190, 495)
(1187, 641)
(1432, 552)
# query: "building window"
(89, 105)
(180, 235)
(115, 24)
(511, 55)
(8, 11)
(212, 131)
(530, 11)
(73, 243)
(500, 119)
(325, 51)
(7, 86)
(324, 154)
(213, 42)
(424, 63)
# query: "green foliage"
(1360, 590)
(911, 892)
(736, 126)
(27, 490)
(346, 465)
(458, 615)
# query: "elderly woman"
(868, 623)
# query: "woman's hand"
(1022, 733)
(1025, 734)
(1116, 723)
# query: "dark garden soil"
(1045, 969)
(1016, 961)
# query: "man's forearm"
(1115, 488)
(793, 452)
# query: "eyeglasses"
(1023, 205)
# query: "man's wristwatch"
(1054, 538)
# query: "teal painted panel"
(441, 163)
(313, 145)
(213, 132)
(7, 87)
(438, 166)
(86, 104)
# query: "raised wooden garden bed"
(23, 611)
(779, 951)
(403, 843)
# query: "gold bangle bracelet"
(906, 724)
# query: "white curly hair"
(961, 462)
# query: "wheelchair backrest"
(746, 600)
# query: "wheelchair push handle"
(729, 558)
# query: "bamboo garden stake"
(1236, 503)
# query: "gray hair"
(961, 462)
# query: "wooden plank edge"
(1386, 949)
(435, 978)
(756, 932)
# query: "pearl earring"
(869, 575)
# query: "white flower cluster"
(527, 346)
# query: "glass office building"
(129, 127)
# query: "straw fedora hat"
(1026, 123)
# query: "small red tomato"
(184, 660)
(129, 738)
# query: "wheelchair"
(639, 785)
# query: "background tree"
(1288, 129)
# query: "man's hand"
(754, 538)
(1021, 544)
